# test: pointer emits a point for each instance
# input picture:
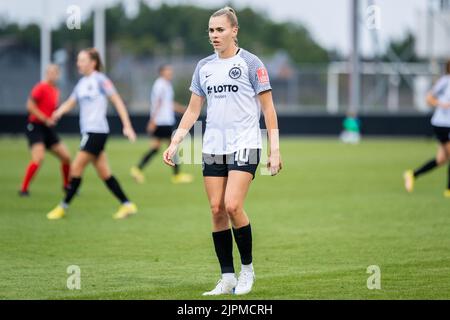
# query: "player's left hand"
(129, 133)
(274, 164)
(169, 154)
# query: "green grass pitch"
(333, 211)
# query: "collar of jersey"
(230, 58)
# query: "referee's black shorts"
(242, 160)
(93, 143)
(40, 133)
(163, 132)
(442, 134)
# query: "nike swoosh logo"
(208, 75)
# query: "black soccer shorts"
(40, 133)
(242, 160)
(93, 143)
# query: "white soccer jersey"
(441, 90)
(162, 103)
(231, 87)
(92, 93)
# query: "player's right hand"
(50, 122)
(169, 154)
(274, 163)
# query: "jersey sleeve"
(36, 92)
(195, 84)
(440, 86)
(258, 76)
(106, 85)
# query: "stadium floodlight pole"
(99, 31)
(46, 38)
(354, 61)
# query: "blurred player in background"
(40, 132)
(236, 86)
(438, 98)
(92, 92)
(161, 123)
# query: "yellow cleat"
(409, 178)
(56, 213)
(137, 174)
(125, 210)
(447, 193)
(182, 178)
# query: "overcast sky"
(327, 20)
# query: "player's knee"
(156, 145)
(232, 208)
(441, 158)
(38, 158)
(218, 210)
(65, 159)
(104, 175)
(76, 170)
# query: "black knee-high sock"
(430, 165)
(223, 243)
(176, 169)
(74, 184)
(243, 238)
(146, 158)
(115, 188)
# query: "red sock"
(65, 169)
(31, 170)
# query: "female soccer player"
(161, 123)
(91, 93)
(438, 98)
(236, 86)
(40, 133)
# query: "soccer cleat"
(137, 174)
(56, 213)
(408, 176)
(24, 193)
(447, 193)
(182, 178)
(125, 210)
(245, 282)
(224, 286)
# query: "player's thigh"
(102, 166)
(37, 152)
(215, 190)
(82, 159)
(237, 188)
(61, 151)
